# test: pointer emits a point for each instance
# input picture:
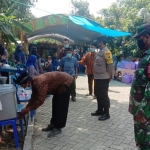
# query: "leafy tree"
(80, 8)
(12, 17)
(8, 24)
(17, 9)
(122, 15)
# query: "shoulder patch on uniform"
(108, 57)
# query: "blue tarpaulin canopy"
(93, 26)
(75, 28)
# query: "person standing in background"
(2, 51)
(31, 66)
(19, 56)
(76, 53)
(3, 60)
(49, 65)
(23, 56)
(115, 60)
(39, 66)
(103, 74)
(88, 61)
(69, 64)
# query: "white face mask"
(66, 45)
(42, 64)
(92, 49)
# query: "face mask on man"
(28, 88)
(42, 64)
(69, 55)
(141, 44)
(92, 49)
(66, 45)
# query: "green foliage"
(122, 15)
(46, 40)
(12, 18)
(11, 49)
(17, 10)
(80, 8)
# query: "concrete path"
(85, 132)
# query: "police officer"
(103, 73)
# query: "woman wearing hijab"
(31, 66)
(23, 57)
(38, 64)
(19, 56)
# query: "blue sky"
(64, 6)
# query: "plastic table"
(11, 69)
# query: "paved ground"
(85, 132)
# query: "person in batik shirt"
(55, 83)
(139, 105)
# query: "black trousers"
(90, 83)
(60, 105)
(101, 90)
(73, 88)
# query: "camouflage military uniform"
(140, 102)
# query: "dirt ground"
(7, 141)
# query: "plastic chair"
(13, 123)
(20, 107)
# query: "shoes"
(54, 132)
(96, 114)
(73, 99)
(48, 128)
(104, 117)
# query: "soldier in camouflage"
(139, 105)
